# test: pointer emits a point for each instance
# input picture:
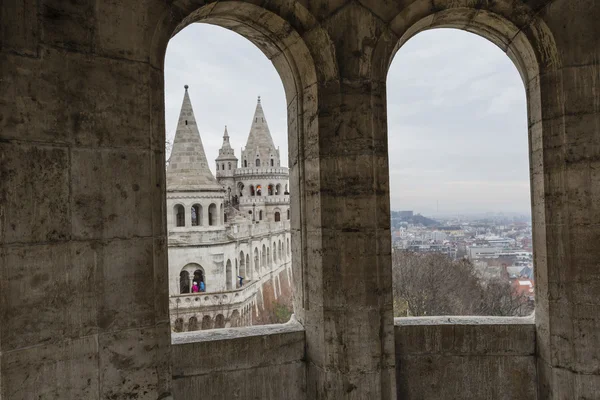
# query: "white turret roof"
(226, 151)
(260, 141)
(188, 168)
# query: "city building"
(229, 236)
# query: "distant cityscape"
(498, 245)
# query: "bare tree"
(433, 284)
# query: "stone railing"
(261, 171)
(260, 200)
(231, 298)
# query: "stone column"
(347, 281)
(567, 241)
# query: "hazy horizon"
(457, 118)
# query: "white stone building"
(220, 229)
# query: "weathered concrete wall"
(82, 199)
(264, 363)
(467, 358)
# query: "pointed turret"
(260, 144)
(226, 151)
(188, 168)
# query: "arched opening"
(256, 262)
(234, 320)
(243, 265)
(270, 189)
(277, 216)
(178, 326)
(196, 215)
(222, 214)
(192, 324)
(228, 275)
(278, 189)
(206, 323)
(480, 128)
(184, 282)
(213, 218)
(268, 264)
(263, 260)
(248, 267)
(179, 215)
(257, 162)
(219, 321)
(280, 56)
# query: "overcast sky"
(456, 114)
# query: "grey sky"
(456, 114)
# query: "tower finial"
(258, 99)
(186, 87)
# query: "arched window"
(212, 215)
(274, 252)
(263, 259)
(245, 163)
(258, 190)
(228, 275)
(229, 166)
(277, 216)
(288, 213)
(286, 190)
(272, 163)
(258, 162)
(222, 214)
(260, 215)
(184, 282)
(196, 215)
(179, 215)
(256, 261)
(251, 188)
(270, 190)
(278, 189)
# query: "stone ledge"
(236, 333)
(480, 336)
(464, 320)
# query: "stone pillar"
(81, 204)
(347, 282)
(568, 231)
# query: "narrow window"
(258, 162)
(229, 166)
(245, 163)
(179, 215)
(196, 215)
(277, 216)
(212, 215)
(272, 163)
(184, 282)
(258, 190)
(288, 213)
(260, 215)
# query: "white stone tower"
(261, 182)
(226, 164)
(190, 183)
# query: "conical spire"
(226, 151)
(188, 168)
(260, 136)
